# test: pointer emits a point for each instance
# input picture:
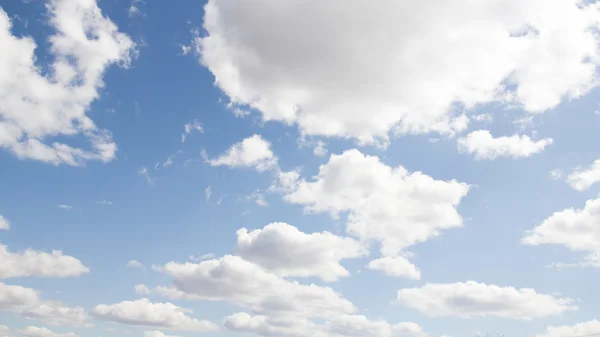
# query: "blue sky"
(301, 168)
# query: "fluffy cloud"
(483, 145)
(135, 264)
(398, 266)
(286, 251)
(584, 177)
(155, 333)
(253, 151)
(36, 263)
(576, 229)
(357, 325)
(4, 224)
(38, 107)
(305, 62)
(25, 302)
(471, 299)
(244, 283)
(588, 328)
(383, 203)
(34, 331)
(145, 313)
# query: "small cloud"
(144, 173)
(134, 9)
(556, 174)
(142, 289)
(320, 149)
(67, 207)
(104, 202)
(189, 128)
(483, 117)
(111, 110)
(202, 257)
(185, 49)
(135, 264)
(207, 193)
(4, 224)
(258, 198)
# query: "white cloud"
(142, 312)
(383, 203)
(34, 331)
(36, 107)
(302, 65)
(157, 334)
(258, 198)
(207, 193)
(105, 202)
(63, 206)
(41, 264)
(576, 229)
(396, 266)
(4, 331)
(25, 302)
(135, 264)
(144, 173)
(319, 149)
(202, 257)
(483, 145)
(584, 177)
(357, 325)
(472, 299)
(286, 251)
(588, 328)
(191, 127)
(253, 151)
(487, 117)
(4, 224)
(244, 283)
(555, 174)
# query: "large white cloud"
(286, 251)
(588, 328)
(363, 69)
(483, 145)
(142, 312)
(41, 264)
(26, 302)
(383, 203)
(472, 299)
(34, 331)
(37, 107)
(576, 229)
(244, 283)
(584, 177)
(253, 151)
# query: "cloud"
(396, 266)
(483, 145)
(207, 193)
(472, 299)
(191, 127)
(319, 149)
(135, 264)
(67, 207)
(576, 229)
(286, 251)
(4, 224)
(156, 334)
(235, 280)
(39, 264)
(34, 331)
(105, 202)
(588, 328)
(357, 325)
(383, 203)
(142, 312)
(4, 331)
(253, 151)
(258, 198)
(294, 64)
(36, 107)
(144, 173)
(26, 303)
(584, 177)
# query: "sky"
(299, 168)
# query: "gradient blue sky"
(148, 201)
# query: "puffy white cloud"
(383, 203)
(25, 302)
(319, 149)
(483, 145)
(313, 64)
(244, 283)
(35, 263)
(398, 266)
(4, 224)
(580, 329)
(584, 177)
(135, 264)
(4, 331)
(34, 331)
(142, 312)
(471, 299)
(576, 229)
(286, 251)
(189, 128)
(155, 333)
(253, 151)
(38, 107)
(357, 325)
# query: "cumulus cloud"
(253, 151)
(34, 331)
(301, 62)
(584, 177)
(472, 299)
(38, 107)
(4, 331)
(398, 266)
(135, 264)
(41, 264)
(4, 224)
(142, 312)
(286, 251)
(191, 127)
(576, 229)
(319, 149)
(383, 203)
(580, 329)
(26, 303)
(483, 145)
(244, 283)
